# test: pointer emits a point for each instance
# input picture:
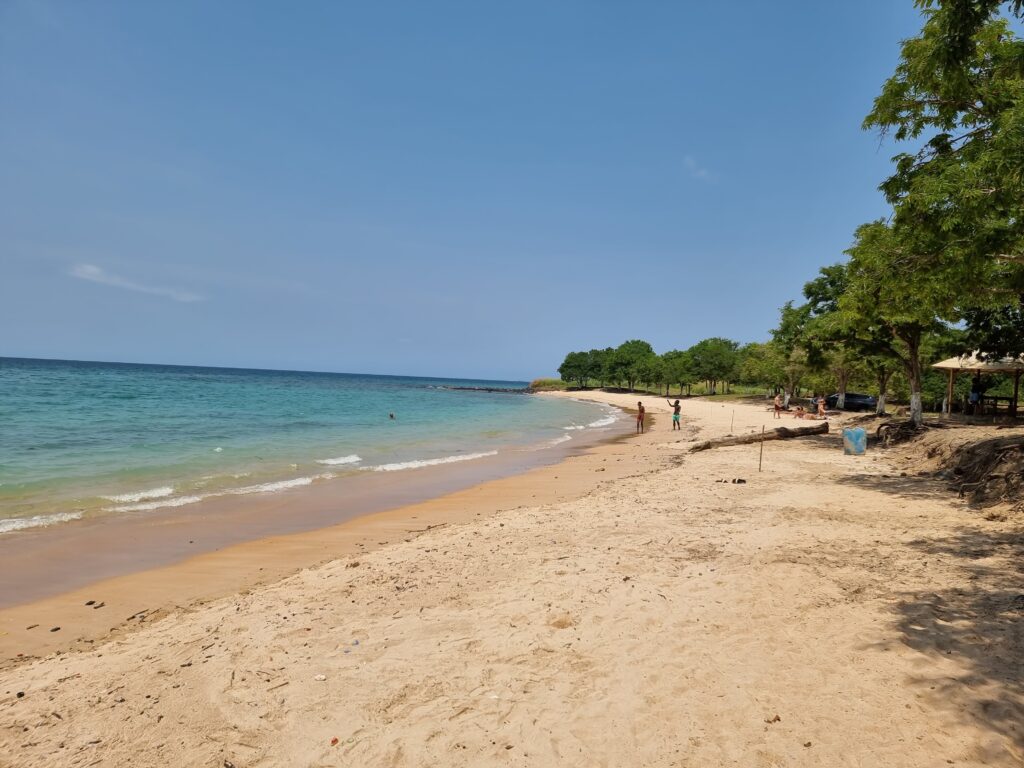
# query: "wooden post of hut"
(1016, 392)
(949, 393)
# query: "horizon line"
(264, 370)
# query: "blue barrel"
(855, 441)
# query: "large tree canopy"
(959, 197)
(714, 360)
(891, 306)
(957, 22)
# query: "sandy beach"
(631, 606)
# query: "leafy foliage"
(714, 360)
(959, 199)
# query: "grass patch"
(548, 385)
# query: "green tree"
(994, 332)
(651, 370)
(598, 361)
(799, 354)
(881, 367)
(906, 309)
(958, 198)
(714, 360)
(851, 339)
(956, 23)
(679, 369)
(627, 360)
(575, 368)
(763, 364)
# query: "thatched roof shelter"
(973, 364)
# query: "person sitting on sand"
(640, 418)
(821, 407)
(676, 410)
(778, 406)
(799, 413)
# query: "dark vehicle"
(854, 402)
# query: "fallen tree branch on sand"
(782, 433)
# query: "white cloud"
(94, 274)
(696, 171)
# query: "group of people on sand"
(641, 414)
(799, 412)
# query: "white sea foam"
(429, 462)
(279, 485)
(177, 501)
(606, 421)
(350, 459)
(573, 426)
(153, 493)
(21, 523)
(560, 439)
(180, 501)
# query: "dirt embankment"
(984, 464)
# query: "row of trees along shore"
(941, 275)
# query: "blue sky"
(463, 189)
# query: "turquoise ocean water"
(79, 439)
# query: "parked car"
(854, 402)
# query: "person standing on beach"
(676, 411)
(778, 406)
(640, 418)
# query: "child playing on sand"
(640, 418)
(799, 413)
(778, 406)
(676, 410)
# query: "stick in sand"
(761, 457)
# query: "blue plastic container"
(855, 441)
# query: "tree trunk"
(841, 382)
(883, 386)
(782, 433)
(913, 366)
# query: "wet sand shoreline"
(116, 573)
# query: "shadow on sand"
(925, 486)
(981, 626)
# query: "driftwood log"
(782, 433)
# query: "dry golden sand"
(824, 613)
